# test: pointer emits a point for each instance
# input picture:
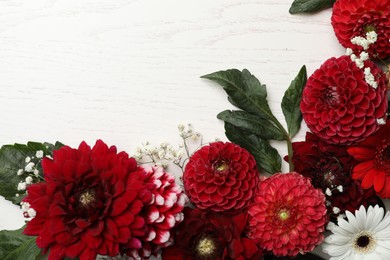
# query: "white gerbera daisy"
(364, 236)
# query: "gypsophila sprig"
(166, 154)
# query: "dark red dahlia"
(373, 157)
(339, 106)
(351, 18)
(90, 203)
(212, 236)
(161, 214)
(288, 215)
(329, 168)
(221, 177)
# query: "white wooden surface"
(127, 71)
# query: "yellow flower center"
(364, 242)
(206, 247)
(221, 166)
(87, 198)
(284, 214)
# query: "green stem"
(288, 140)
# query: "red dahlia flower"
(373, 157)
(161, 214)
(351, 18)
(339, 106)
(221, 177)
(209, 235)
(90, 203)
(288, 216)
(329, 167)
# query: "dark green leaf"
(310, 6)
(266, 156)
(291, 100)
(16, 246)
(244, 90)
(252, 124)
(12, 158)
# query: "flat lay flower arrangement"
(232, 201)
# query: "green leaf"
(310, 6)
(265, 155)
(244, 90)
(291, 101)
(16, 246)
(252, 124)
(12, 158)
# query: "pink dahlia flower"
(288, 216)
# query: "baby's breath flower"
(381, 121)
(20, 172)
(28, 159)
(29, 167)
(29, 180)
(22, 186)
(364, 56)
(31, 213)
(336, 210)
(39, 154)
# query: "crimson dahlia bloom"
(221, 177)
(288, 216)
(351, 18)
(205, 235)
(373, 157)
(329, 167)
(90, 203)
(339, 106)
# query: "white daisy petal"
(364, 236)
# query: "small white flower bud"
(328, 192)
(349, 51)
(340, 188)
(22, 186)
(381, 121)
(336, 210)
(31, 213)
(29, 167)
(20, 172)
(28, 159)
(29, 180)
(39, 154)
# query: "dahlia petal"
(153, 214)
(162, 236)
(138, 223)
(134, 243)
(223, 190)
(118, 206)
(235, 248)
(88, 254)
(111, 227)
(97, 228)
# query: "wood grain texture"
(128, 71)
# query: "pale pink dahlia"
(288, 216)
